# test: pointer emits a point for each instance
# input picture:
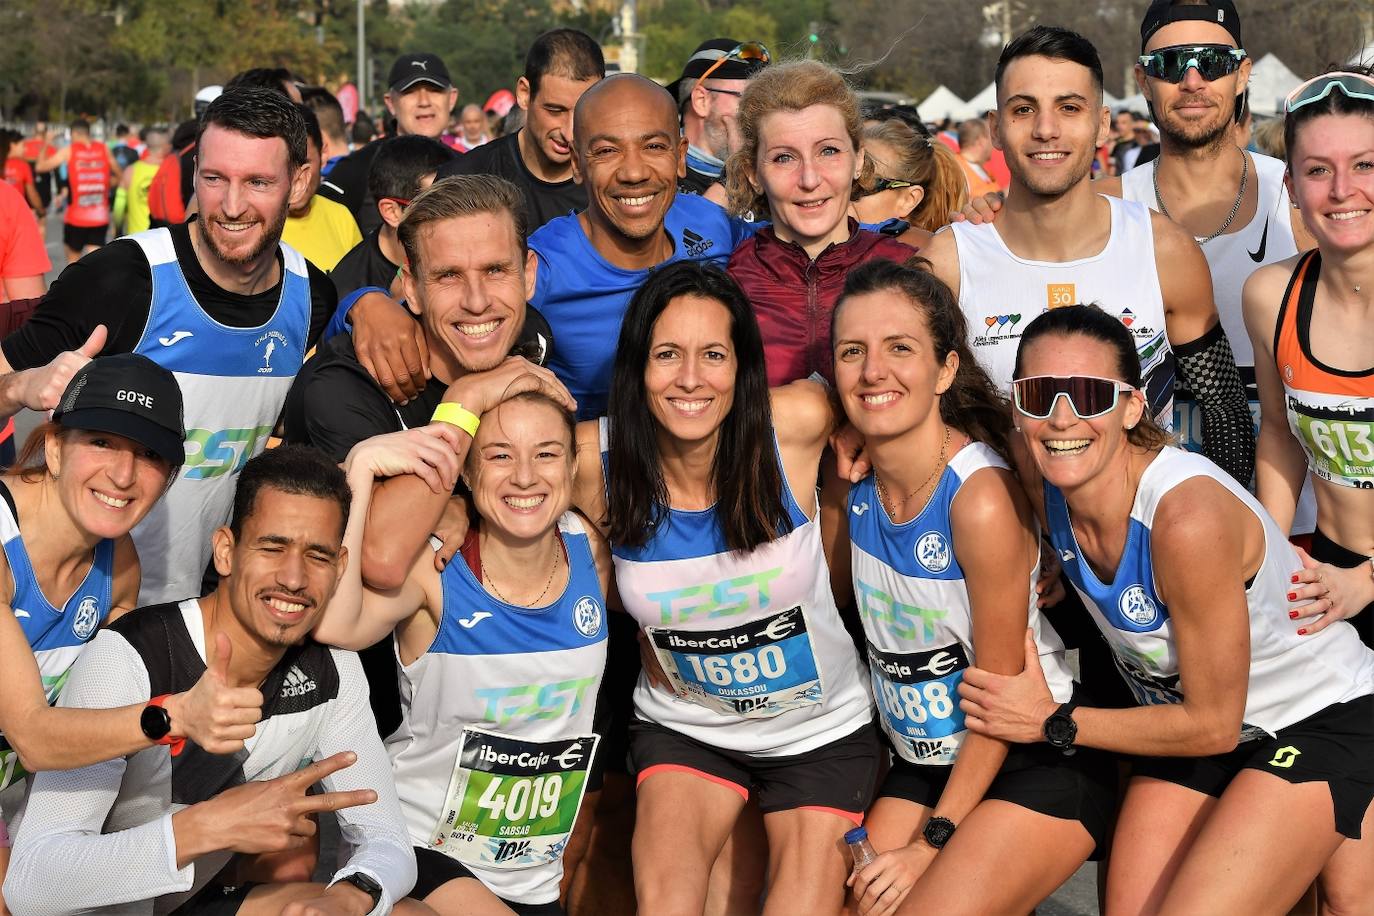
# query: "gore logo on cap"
(134, 397)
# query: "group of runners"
(694, 477)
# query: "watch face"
(1060, 730)
(938, 830)
(155, 722)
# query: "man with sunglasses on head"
(1058, 242)
(708, 94)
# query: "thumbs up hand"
(43, 386)
(215, 714)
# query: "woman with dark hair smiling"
(709, 500)
(944, 558)
(1251, 743)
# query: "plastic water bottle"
(860, 848)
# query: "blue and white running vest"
(752, 641)
(492, 754)
(916, 613)
(1291, 676)
(57, 635)
(233, 383)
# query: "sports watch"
(365, 884)
(1060, 729)
(155, 721)
(937, 831)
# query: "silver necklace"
(1235, 207)
(535, 603)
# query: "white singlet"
(1291, 676)
(916, 613)
(1000, 293)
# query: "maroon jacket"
(794, 296)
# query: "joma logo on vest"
(214, 452)
(902, 618)
(532, 702)
(719, 600)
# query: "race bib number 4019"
(759, 669)
(918, 696)
(512, 803)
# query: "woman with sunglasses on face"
(944, 556)
(83, 480)
(800, 164)
(706, 483)
(1252, 743)
(1308, 317)
(916, 183)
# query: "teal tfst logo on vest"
(721, 599)
(215, 452)
(903, 619)
(533, 702)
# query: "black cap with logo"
(706, 55)
(1165, 12)
(410, 69)
(131, 396)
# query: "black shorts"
(434, 870)
(1328, 551)
(1039, 778)
(1334, 746)
(78, 237)
(838, 777)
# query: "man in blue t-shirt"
(629, 156)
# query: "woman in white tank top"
(706, 483)
(944, 558)
(1252, 745)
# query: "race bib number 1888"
(918, 697)
(758, 670)
(512, 803)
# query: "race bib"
(918, 694)
(512, 803)
(1341, 450)
(758, 670)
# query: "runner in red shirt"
(19, 173)
(23, 262)
(91, 172)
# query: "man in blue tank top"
(217, 300)
(629, 155)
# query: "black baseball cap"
(410, 69)
(706, 54)
(1164, 12)
(131, 396)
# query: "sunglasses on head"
(888, 184)
(1212, 62)
(1088, 396)
(1354, 85)
(750, 52)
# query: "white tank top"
(916, 613)
(752, 641)
(1231, 258)
(492, 753)
(1234, 256)
(1291, 676)
(1000, 293)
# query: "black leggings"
(1328, 551)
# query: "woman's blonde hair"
(922, 160)
(791, 86)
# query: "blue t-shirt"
(584, 297)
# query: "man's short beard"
(269, 240)
(1195, 139)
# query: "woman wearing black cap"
(83, 481)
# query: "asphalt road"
(1077, 897)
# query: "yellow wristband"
(456, 415)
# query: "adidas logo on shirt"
(696, 245)
(297, 683)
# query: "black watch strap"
(365, 884)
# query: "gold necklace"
(535, 603)
(939, 466)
